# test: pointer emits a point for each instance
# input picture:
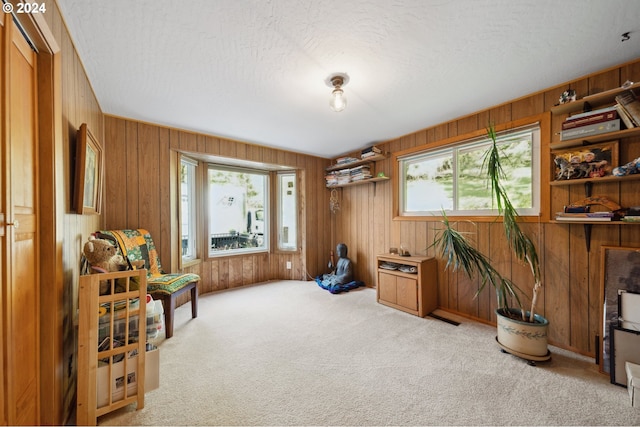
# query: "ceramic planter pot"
(523, 338)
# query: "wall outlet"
(288, 265)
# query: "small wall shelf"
(590, 101)
(362, 181)
(350, 165)
(625, 133)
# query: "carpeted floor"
(291, 353)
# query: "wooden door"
(387, 287)
(407, 293)
(20, 296)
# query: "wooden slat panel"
(132, 189)
(466, 287)
(149, 198)
(115, 165)
(164, 199)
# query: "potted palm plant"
(520, 332)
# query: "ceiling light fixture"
(338, 101)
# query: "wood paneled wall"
(138, 195)
(571, 294)
(78, 105)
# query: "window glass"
(238, 210)
(287, 211)
(454, 179)
(432, 175)
(188, 222)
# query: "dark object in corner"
(444, 319)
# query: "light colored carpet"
(291, 353)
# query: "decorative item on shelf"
(631, 168)
(334, 204)
(580, 210)
(567, 96)
(404, 251)
(592, 161)
(338, 101)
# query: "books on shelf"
(370, 152)
(631, 104)
(577, 116)
(345, 176)
(597, 117)
(625, 117)
(590, 130)
(345, 160)
(585, 216)
(372, 149)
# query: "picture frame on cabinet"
(589, 161)
(88, 177)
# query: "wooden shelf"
(363, 181)
(350, 165)
(555, 221)
(625, 133)
(597, 99)
(596, 180)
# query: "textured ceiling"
(255, 70)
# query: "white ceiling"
(255, 70)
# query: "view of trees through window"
(454, 179)
(237, 210)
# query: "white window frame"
(192, 190)
(404, 160)
(281, 211)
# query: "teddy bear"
(102, 256)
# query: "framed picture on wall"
(88, 179)
(589, 161)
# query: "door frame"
(51, 211)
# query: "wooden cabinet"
(412, 286)
(111, 342)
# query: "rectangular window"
(188, 223)
(238, 210)
(287, 211)
(453, 179)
